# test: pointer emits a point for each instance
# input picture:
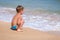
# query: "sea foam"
(42, 22)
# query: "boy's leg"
(20, 26)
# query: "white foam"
(6, 14)
(44, 22)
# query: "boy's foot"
(19, 30)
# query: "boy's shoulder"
(18, 15)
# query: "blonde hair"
(19, 8)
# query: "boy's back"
(15, 19)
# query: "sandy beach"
(28, 34)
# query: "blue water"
(53, 5)
(43, 15)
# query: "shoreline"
(50, 32)
(28, 34)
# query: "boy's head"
(19, 9)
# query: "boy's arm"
(19, 19)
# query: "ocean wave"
(40, 20)
(6, 13)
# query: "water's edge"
(40, 20)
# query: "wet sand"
(28, 34)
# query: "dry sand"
(28, 34)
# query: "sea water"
(41, 15)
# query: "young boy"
(17, 21)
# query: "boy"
(17, 21)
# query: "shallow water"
(43, 21)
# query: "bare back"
(15, 19)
